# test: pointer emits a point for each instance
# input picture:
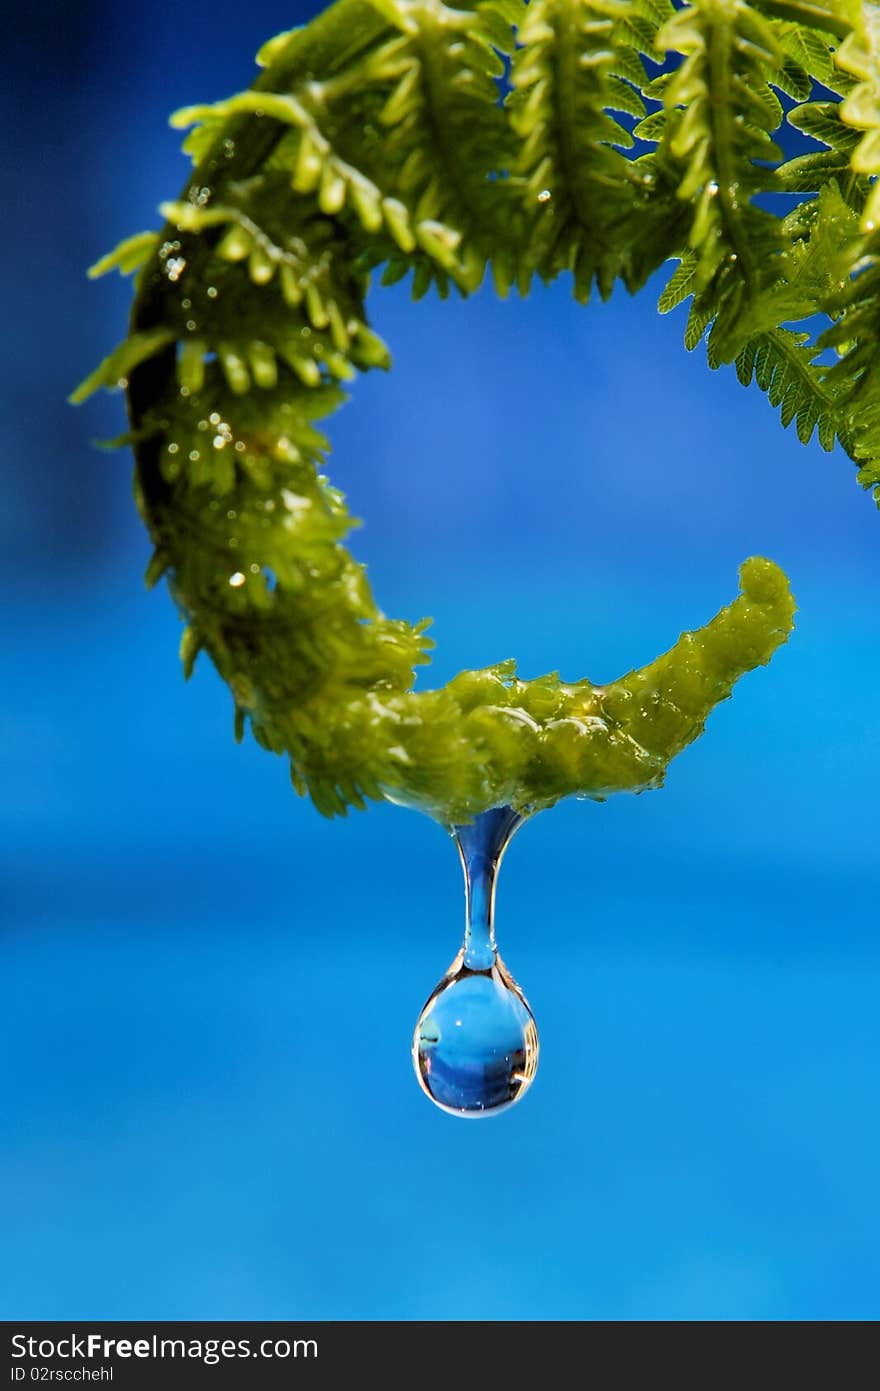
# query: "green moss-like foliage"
(441, 142)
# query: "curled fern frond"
(590, 138)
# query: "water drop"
(475, 1047)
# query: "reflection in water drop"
(475, 1047)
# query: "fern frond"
(446, 101)
(591, 137)
(115, 369)
(856, 377)
(128, 256)
(859, 56)
(578, 67)
(806, 57)
(721, 114)
(831, 18)
(782, 364)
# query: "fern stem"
(430, 47)
(718, 39)
(566, 53)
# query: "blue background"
(208, 1107)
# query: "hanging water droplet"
(475, 1047)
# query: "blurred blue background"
(208, 1107)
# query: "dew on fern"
(375, 140)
